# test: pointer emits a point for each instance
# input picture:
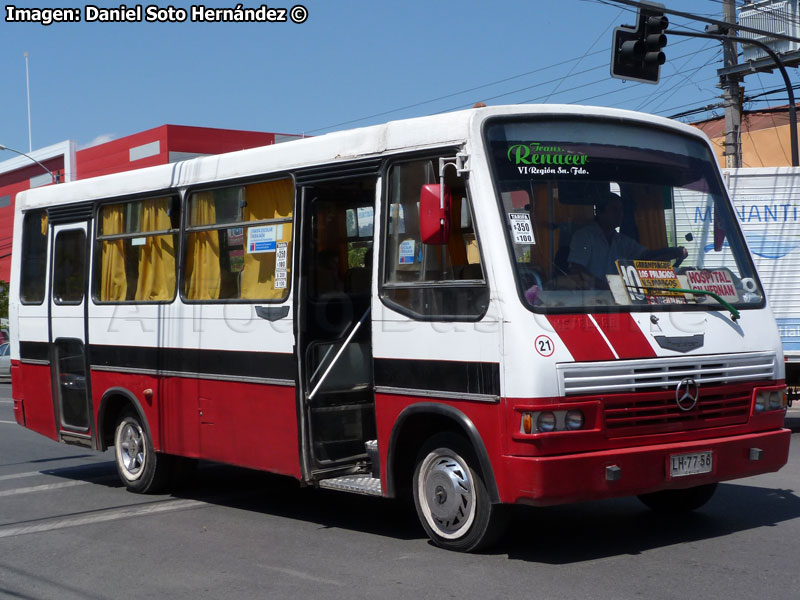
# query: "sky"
(351, 63)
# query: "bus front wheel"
(140, 467)
(451, 499)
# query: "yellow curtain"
(157, 256)
(44, 223)
(269, 200)
(542, 234)
(113, 281)
(456, 248)
(202, 252)
(649, 215)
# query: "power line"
(604, 80)
(760, 9)
(669, 11)
(482, 86)
(679, 70)
(775, 126)
(747, 99)
(446, 96)
(628, 4)
(584, 54)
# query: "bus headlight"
(549, 421)
(546, 422)
(574, 420)
(777, 400)
(770, 400)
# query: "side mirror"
(434, 214)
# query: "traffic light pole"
(778, 63)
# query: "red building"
(158, 146)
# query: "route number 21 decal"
(544, 345)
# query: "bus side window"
(135, 250)
(459, 290)
(238, 242)
(34, 251)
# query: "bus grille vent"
(658, 412)
(620, 376)
(639, 398)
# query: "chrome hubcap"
(448, 496)
(132, 449)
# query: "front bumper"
(543, 481)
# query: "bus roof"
(341, 146)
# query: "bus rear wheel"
(451, 498)
(140, 467)
(678, 501)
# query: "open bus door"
(334, 325)
(68, 332)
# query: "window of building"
(135, 252)
(431, 281)
(34, 253)
(238, 242)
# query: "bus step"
(358, 484)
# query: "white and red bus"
(404, 309)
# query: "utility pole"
(732, 98)
(28, 87)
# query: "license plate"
(690, 464)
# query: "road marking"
(20, 475)
(9, 422)
(127, 512)
(42, 488)
(6, 402)
(301, 575)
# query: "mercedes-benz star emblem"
(686, 394)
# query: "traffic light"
(636, 51)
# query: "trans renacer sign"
(534, 158)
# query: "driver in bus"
(594, 249)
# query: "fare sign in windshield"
(650, 282)
(719, 281)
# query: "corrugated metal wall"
(767, 203)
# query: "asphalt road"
(69, 530)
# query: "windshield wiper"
(735, 315)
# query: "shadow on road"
(589, 531)
(553, 535)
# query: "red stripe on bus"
(581, 337)
(625, 335)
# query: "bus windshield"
(610, 213)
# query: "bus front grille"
(664, 373)
(658, 412)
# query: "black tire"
(451, 498)
(679, 501)
(140, 467)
